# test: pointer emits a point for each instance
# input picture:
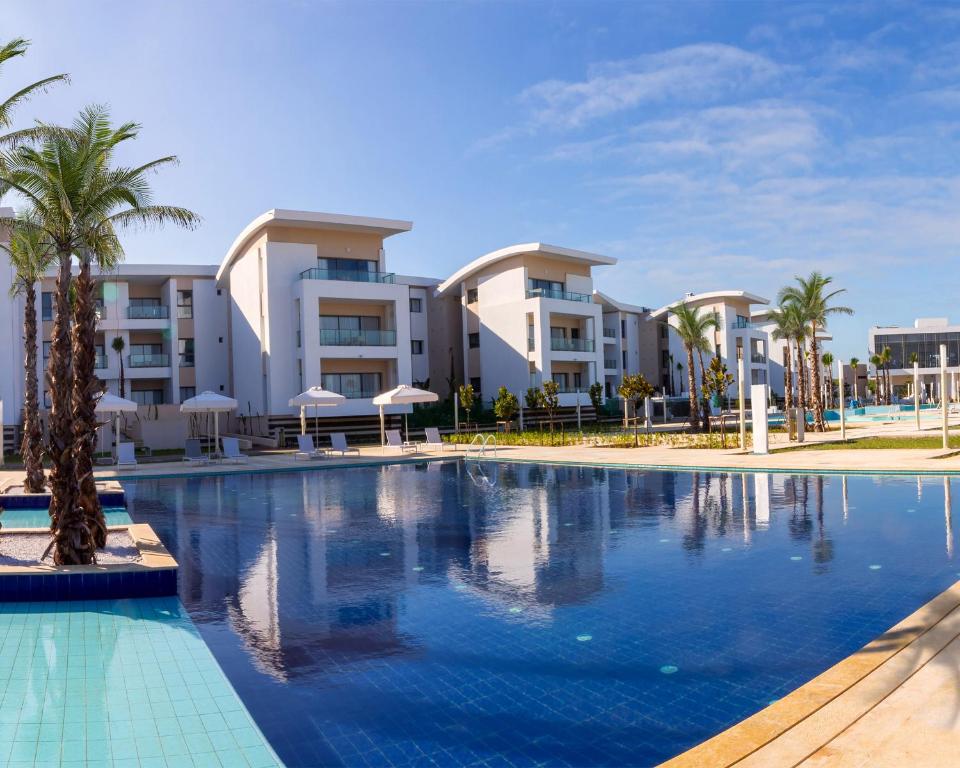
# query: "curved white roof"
(279, 217)
(711, 296)
(568, 254)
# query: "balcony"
(349, 275)
(148, 361)
(159, 312)
(610, 363)
(344, 338)
(740, 324)
(758, 357)
(570, 390)
(100, 362)
(101, 311)
(544, 293)
(609, 333)
(571, 345)
(186, 361)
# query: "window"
(416, 305)
(475, 383)
(148, 301)
(416, 346)
(46, 351)
(561, 379)
(187, 392)
(758, 376)
(472, 296)
(147, 396)
(577, 380)
(558, 332)
(300, 373)
(349, 323)
(664, 358)
(352, 385)
(536, 284)
(473, 340)
(664, 332)
(46, 306)
(185, 348)
(347, 265)
(624, 354)
(185, 304)
(623, 328)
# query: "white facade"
(528, 316)
(777, 352)
(633, 344)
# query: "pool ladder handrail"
(481, 441)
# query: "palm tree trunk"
(31, 446)
(123, 381)
(705, 404)
(74, 544)
(692, 387)
(819, 424)
(788, 385)
(801, 381)
(86, 391)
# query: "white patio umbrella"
(210, 402)
(402, 395)
(315, 397)
(111, 404)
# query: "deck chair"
(193, 451)
(338, 443)
(396, 442)
(306, 449)
(126, 455)
(433, 441)
(231, 450)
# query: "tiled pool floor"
(121, 683)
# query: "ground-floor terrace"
(893, 703)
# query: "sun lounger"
(231, 450)
(338, 443)
(193, 451)
(433, 440)
(306, 449)
(126, 455)
(396, 442)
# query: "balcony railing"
(351, 275)
(758, 357)
(151, 312)
(545, 293)
(343, 338)
(571, 345)
(570, 390)
(609, 333)
(608, 363)
(186, 361)
(531, 344)
(744, 325)
(359, 394)
(148, 361)
(101, 312)
(100, 362)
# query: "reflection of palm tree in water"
(714, 510)
(801, 527)
(823, 546)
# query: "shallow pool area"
(517, 614)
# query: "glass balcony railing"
(545, 293)
(359, 394)
(758, 357)
(148, 361)
(742, 324)
(148, 312)
(608, 363)
(570, 390)
(350, 275)
(571, 345)
(609, 333)
(100, 362)
(342, 338)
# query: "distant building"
(922, 339)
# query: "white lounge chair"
(338, 443)
(231, 450)
(396, 442)
(193, 451)
(126, 455)
(307, 450)
(433, 440)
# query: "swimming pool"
(515, 614)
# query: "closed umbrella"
(111, 404)
(210, 402)
(402, 395)
(315, 397)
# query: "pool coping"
(761, 729)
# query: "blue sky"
(706, 145)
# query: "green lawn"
(931, 442)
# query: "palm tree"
(80, 201)
(30, 256)
(876, 363)
(692, 329)
(886, 356)
(854, 367)
(10, 50)
(815, 300)
(827, 360)
(118, 345)
(786, 321)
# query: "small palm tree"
(79, 200)
(827, 360)
(854, 367)
(692, 329)
(876, 363)
(787, 325)
(30, 256)
(886, 357)
(118, 345)
(815, 301)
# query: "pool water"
(515, 614)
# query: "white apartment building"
(777, 351)
(312, 303)
(735, 330)
(633, 344)
(922, 339)
(528, 316)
